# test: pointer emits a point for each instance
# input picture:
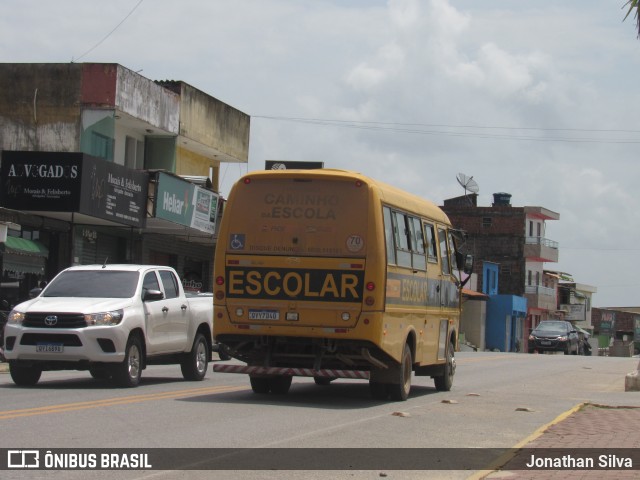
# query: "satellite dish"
(468, 183)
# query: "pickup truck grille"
(66, 339)
(62, 320)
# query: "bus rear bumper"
(291, 372)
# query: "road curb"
(504, 459)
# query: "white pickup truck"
(112, 320)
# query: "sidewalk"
(589, 426)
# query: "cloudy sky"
(537, 99)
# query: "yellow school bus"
(331, 274)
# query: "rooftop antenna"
(468, 183)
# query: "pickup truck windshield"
(93, 284)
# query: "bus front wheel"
(445, 381)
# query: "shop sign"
(289, 165)
(184, 203)
(575, 312)
(114, 192)
(607, 322)
(44, 181)
(73, 182)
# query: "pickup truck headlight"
(15, 317)
(104, 318)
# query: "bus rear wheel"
(379, 391)
(280, 385)
(400, 391)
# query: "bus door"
(448, 290)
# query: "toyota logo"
(50, 320)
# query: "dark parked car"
(554, 335)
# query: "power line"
(416, 128)
(108, 34)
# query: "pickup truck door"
(156, 320)
(177, 312)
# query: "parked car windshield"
(551, 327)
(93, 284)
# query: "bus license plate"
(49, 348)
(264, 315)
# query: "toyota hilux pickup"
(112, 320)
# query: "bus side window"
(431, 242)
(389, 236)
(403, 252)
(419, 259)
(444, 251)
(453, 248)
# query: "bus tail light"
(371, 286)
(220, 280)
(369, 301)
(247, 180)
(346, 316)
(219, 295)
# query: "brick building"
(514, 240)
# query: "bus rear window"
(302, 218)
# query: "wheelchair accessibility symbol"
(236, 242)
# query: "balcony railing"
(543, 242)
(539, 290)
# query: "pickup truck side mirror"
(152, 295)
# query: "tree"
(633, 4)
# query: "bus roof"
(387, 193)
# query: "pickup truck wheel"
(400, 391)
(127, 373)
(24, 376)
(445, 381)
(259, 384)
(280, 385)
(100, 373)
(194, 364)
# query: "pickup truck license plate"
(264, 315)
(49, 348)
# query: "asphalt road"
(498, 400)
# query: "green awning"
(22, 246)
(23, 263)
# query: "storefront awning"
(24, 256)
(472, 294)
(22, 246)
(23, 263)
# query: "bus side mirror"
(465, 262)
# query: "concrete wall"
(472, 322)
(214, 123)
(40, 106)
(146, 100)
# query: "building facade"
(100, 164)
(511, 249)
